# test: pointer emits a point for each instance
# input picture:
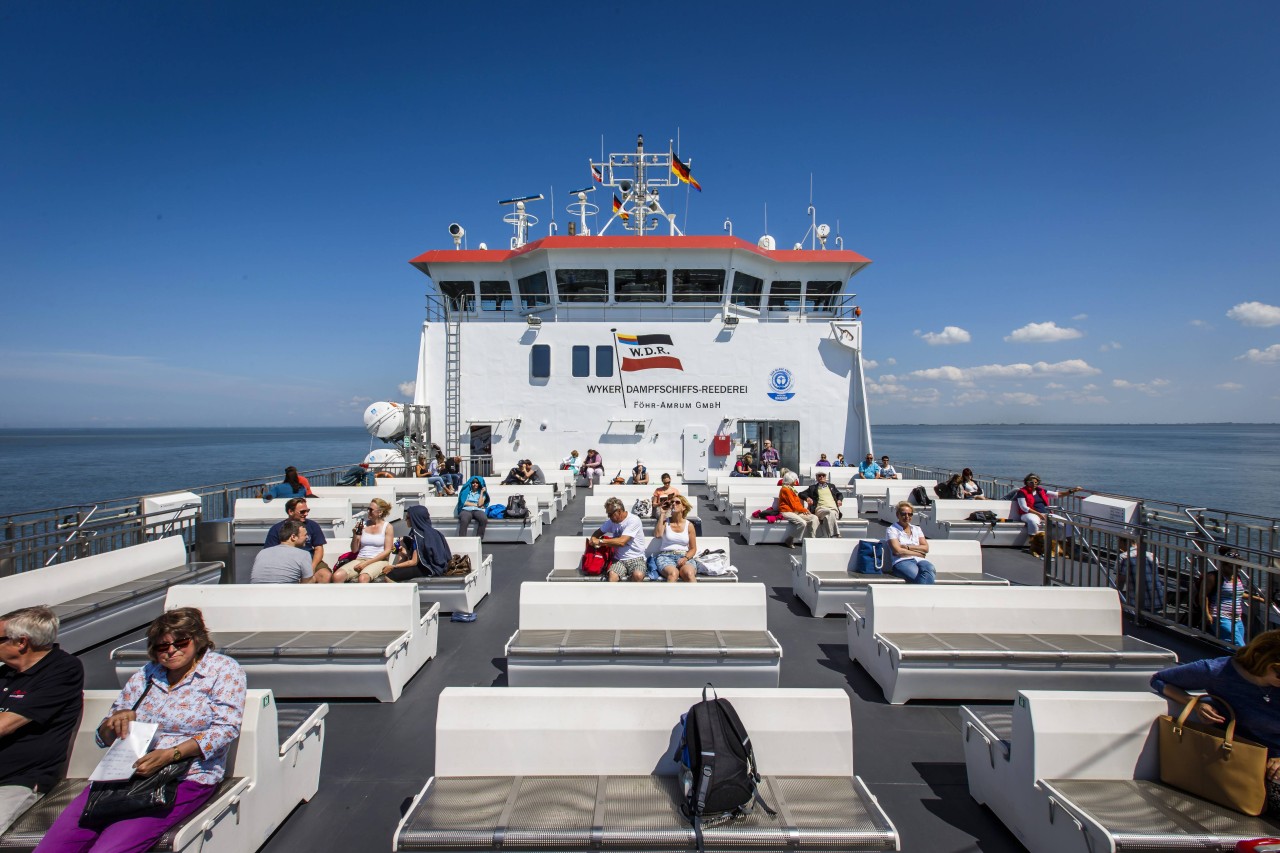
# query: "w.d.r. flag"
(683, 173)
(596, 175)
(645, 352)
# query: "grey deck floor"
(378, 756)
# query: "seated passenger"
(1033, 502)
(297, 510)
(640, 474)
(534, 473)
(199, 707)
(795, 510)
(571, 464)
(972, 491)
(426, 553)
(744, 467)
(290, 487)
(826, 501)
(839, 462)
(624, 533)
(287, 561)
(868, 469)
(950, 490)
(769, 459)
(373, 543)
(887, 471)
(909, 547)
(435, 475)
(593, 468)
(472, 502)
(516, 476)
(822, 462)
(1228, 598)
(41, 697)
(678, 542)
(666, 490)
(1128, 567)
(452, 474)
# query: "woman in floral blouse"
(197, 697)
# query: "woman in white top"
(909, 548)
(373, 543)
(972, 491)
(677, 541)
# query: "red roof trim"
(497, 256)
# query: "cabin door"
(785, 436)
(696, 443)
(481, 450)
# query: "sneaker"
(463, 617)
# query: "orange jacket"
(789, 501)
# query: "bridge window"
(784, 296)
(577, 285)
(540, 361)
(495, 296)
(582, 361)
(697, 286)
(604, 361)
(821, 297)
(747, 290)
(533, 291)
(459, 295)
(640, 285)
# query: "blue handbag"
(496, 510)
(870, 558)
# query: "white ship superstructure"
(683, 351)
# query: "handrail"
(75, 532)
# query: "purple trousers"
(132, 835)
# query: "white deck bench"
(871, 493)
(1073, 771)
(745, 494)
(655, 634)
(524, 530)
(593, 512)
(972, 642)
(949, 519)
(106, 595)
(565, 483)
(456, 594)
(254, 518)
(274, 766)
(757, 531)
(824, 574)
(887, 506)
(504, 750)
(567, 559)
(308, 640)
(538, 498)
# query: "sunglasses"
(906, 514)
(176, 645)
(304, 512)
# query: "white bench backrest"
(593, 505)
(648, 606)
(947, 555)
(533, 731)
(258, 735)
(543, 495)
(569, 549)
(1074, 734)
(879, 487)
(442, 509)
(630, 493)
(959, 510)
(361, 495)
(993, 610)
(469, 545)
(328, 509)
(77, 578)
(300, 607)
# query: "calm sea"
(1229, 466)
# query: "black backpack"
(985, 516)
(919, 497)
(516, 507)
(718, 766)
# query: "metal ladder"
(452, 387)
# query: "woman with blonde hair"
(1248, 681)
(373, 543)
(677, 540)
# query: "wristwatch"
(177, 755)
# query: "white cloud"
(407, 388)
(1055, 385)
(1229, 386)
(356, 402)
(1020, 398)
(890, 361)
(870, 364)
(1255, 314)
(1270, 355)
(885, 388)
(1039, 333)
(1080, 317)
(1200, 324)
(967, 375)
(1154, 388)
(949, 335)
(1107, 347)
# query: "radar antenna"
(520, 219)
(637, 176)
(582, 208)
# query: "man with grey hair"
(624, 533)
(41, 697)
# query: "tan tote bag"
(1214, 765)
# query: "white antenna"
(520, 219)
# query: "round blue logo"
(781, 382)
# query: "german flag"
(682, 172)
(617, 208)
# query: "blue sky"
(207, 209)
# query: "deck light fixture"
(534, 321)
(730, 321)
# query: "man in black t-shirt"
(41, 697)
(297, 510)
